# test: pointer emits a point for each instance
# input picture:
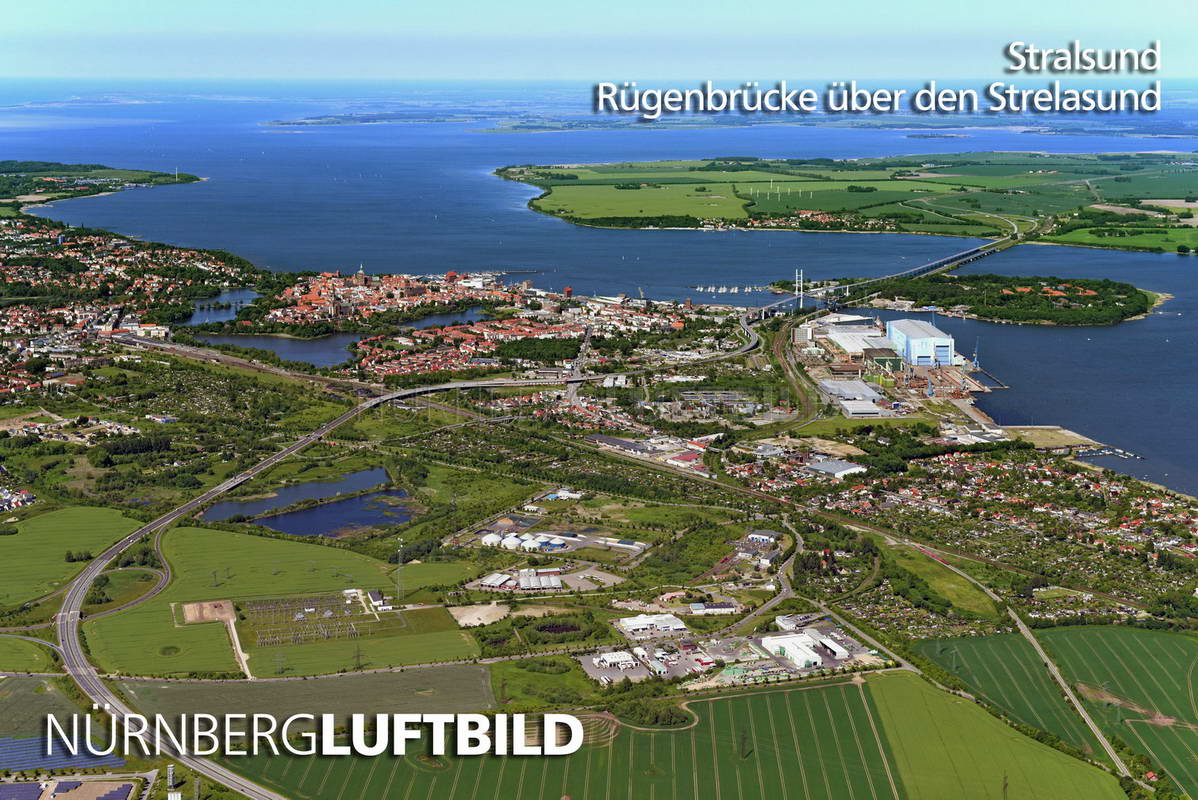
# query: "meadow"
(35, 557)
(1139, 685)
(217, 565)
(888, 738)
(1004, 670)
(958, 591)
(19, 655)
(26, 700)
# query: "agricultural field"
(1004, 670)
(456, 689)
(973, 194)
(19, 655)
(1139, 685)
(947, 747)
(761, 745)
(890, 737)
(35, 557)
(217, 565)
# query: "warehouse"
(798, 647)
(816, 635)
(849, 390)
(836, 468)
(649, 624)
(496, 580)
(855, 339)
(920, 344)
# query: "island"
(1032, 300)
(1126, 201)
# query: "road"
(68, 621)
(1050, 665)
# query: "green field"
(952, 193)
(450, 690)
(1004, 670)
(958, 591)
(1146, 239)
(779, 744)
(605, 201)
(19, 655)
(1138, 675)
(26, 700)
(35, 558)
(412, 637)
(891, 737)
(947, 747)
(217, 565)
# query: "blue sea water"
(420, 197)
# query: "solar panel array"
(22, 754)
(119, 793)
(20, 791)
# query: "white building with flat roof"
(798, 647)
(648, 624)
(920, 344)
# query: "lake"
(204, 310)
(343, 516)
(327, 351)
(286, 495)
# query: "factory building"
(649, 624)
(798, 647)
(920, 344)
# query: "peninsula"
(1126, 201)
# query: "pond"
(286, 495)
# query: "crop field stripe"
(832, 726)
(819, 751)
(865, 762)
(348, 777)
(769, 711)
(374, 765)
(1098, 659)
(1151, 672)
(763, 745)
(794, 736)
(878, 740)
(1176, 759)
(715, 754)
(734, 744)
(631, 759)
(1034, 709)
(1190, 687)
(1032, 678)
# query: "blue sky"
(566, 39)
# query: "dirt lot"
(211, 611)
(471, 616)
(1048, 436)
